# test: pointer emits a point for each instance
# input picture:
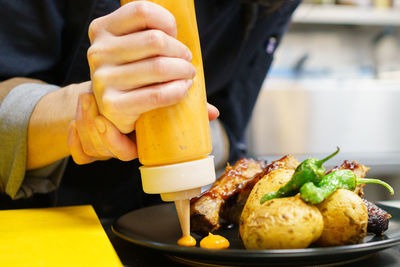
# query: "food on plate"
(232, 208)
(310, 170)
(378, 219)
(345, 219)
(214, 242)
(187, 241)
(278, 174)
(205, 209)
(282, 223)
(314, 185)
(289, 204)
(359, 170)
(345, 179)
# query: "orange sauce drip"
(187, 241)
(214, 242)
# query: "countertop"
(134, 255)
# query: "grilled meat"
(205, 209)
(378, 219)
(233, 206)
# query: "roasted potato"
(281, 223)
(345, 219)
(269, 183)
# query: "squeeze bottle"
(174, 142)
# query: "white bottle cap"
(178, 181)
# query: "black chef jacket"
(47, 40)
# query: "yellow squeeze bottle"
(174, 142)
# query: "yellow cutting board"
(64, 236)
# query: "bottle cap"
(178, 181)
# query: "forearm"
(48, 125)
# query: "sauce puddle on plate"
(214, 242)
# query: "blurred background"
(335, 81)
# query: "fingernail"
(100, 126)
(85, 101)
(194, 71)
(189, 55)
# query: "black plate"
(157, 227)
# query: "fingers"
(92, 137)
(136, 46)
(136, 65)
(133, 17)
(213, 112)
(144, 73)
(88, 135)
(135, 102)
(120, 145)
(75, 146)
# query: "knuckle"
(156, 97)
(108, 107)
(141, 10)
(99, 77)
(89, 150)
(156, 39)
(94, 56)
(95, 29)
(159, 67)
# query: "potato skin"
(269, 183)
(282, 223)
(345, 219)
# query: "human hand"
(92, 137)
(213, 112)
(136, 63)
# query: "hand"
(213, 112)
(136, 63)
(92, 137)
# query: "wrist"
(49, 122)
(69, 96)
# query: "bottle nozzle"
(181, 195)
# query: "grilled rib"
(205, 209)
(232, 208)
(378, 219)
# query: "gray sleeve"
(15, 112)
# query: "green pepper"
(310, 170)
(345, 179)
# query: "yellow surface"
(180, 132)
(66, 236)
